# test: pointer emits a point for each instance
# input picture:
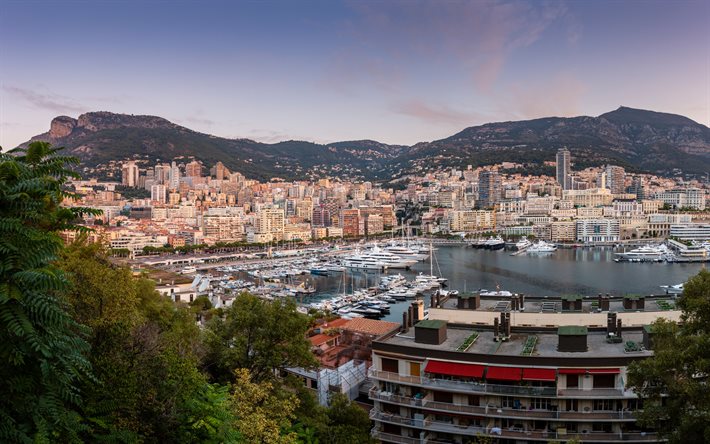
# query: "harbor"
(323, 281)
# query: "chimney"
(496, 328)
(418, 309)
(610, 323)
(507, 325)
(432, 301)
(618, 328)
(522, 301)
(410, 316)
(405, 326)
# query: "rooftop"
(545, 344)
(370, 326)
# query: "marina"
(321, 281)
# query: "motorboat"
(647, 253)
(523, 243)
(494, 243)
(497, 293)
(321, 271)
(541, 247)
(673, 289)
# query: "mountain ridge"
(641, 140)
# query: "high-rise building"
(638, 188)
(489, 189)
(158, 193)
(563, 169)
(193, 169)
(615, 178)
(220, 171)
(174, 181)
(350, 222)
(129, 175)
(162, 173)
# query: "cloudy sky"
(394, 71)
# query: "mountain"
(102, 139)
(637, 139)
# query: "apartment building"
(597, 230)
(539, 371)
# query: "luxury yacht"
(541, 247)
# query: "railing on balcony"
(468, 386)
(374, 393)
(537, 435)
(461, 429)
(390, 437)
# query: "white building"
(597, 230)
(683, 198)
(699, 232)
(129, 176)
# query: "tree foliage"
(92, 353)
(259, 336)
(673, 383)
(41, 346)
(145, 352)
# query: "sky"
(394, 71)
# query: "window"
(540, 403)
(604, 404)
(604, 381)
(390, 365)
(444, 397)
(474, 400)
(572, 381)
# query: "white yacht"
(363, 262)
(541, 247)
(405, 252)
(523, 243)
(389, 259)
(673, 289)
(647, 253)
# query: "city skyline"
(394, 72)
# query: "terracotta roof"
(336, 323)
(321, 339)
(371, 326)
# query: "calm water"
(585, 271)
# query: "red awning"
(538, 374)
(605, 371)
(573, 371)
(504, 373)
(455, 369)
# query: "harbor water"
(584, 271)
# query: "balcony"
(536, 435)
(496, 432)
(464, 386)
(389, 437)
(374, 393)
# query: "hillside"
(637, 139)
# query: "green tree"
(346, 423)
(257, 335)
(263, 412)
(673, 383)
(42, 350)
(145, 353)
